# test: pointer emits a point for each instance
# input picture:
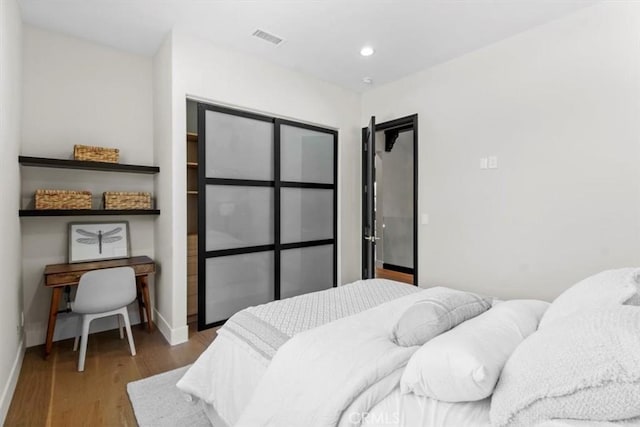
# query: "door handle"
(372, 239)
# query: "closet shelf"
(192, 137)
(44, 162)
(192, 192)
(86, 212)
(192, 164)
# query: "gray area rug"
(157, 402)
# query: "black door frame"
(277, 184)
(405, 123)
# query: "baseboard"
(10, 386)
(398, 268)
(173, 336)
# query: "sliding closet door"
(236, 223)
(267, 217)
(308, 199)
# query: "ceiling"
(322, 37)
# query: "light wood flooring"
(394, 275)
(53, 393)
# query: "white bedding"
(226, 374)
(236, 371)
(309, 382)
(396, 410)
(229, 371)
(323, 375)
(411, 410)
(243, 371)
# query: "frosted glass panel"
(307, 214)
(307, 155)
(238, 216)
(306, 270)
(238, 148)
(237, 282)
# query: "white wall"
(78, 92)
(11, 335)
(560, 106)
(164, 235)
(202, 70)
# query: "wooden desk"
(57, 276)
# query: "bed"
(227, 373)
(287, 356)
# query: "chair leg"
(78, 333)
(86, 321)
(120, 325)
(127, 325)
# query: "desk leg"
(144, 288)
(53, 315)
(139, 298)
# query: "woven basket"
(63, 199)
(96, 154)
(126, 200)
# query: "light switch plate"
(424, 219)
(484, 163)
(493, 162)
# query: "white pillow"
(464, 364)
(607, 289)
(440, 310)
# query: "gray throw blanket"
(583, 367)
(266, 327)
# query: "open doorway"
(389, 232)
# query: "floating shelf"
(86, 212)
(44, 162)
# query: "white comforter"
(331, 375)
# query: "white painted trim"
(173, 336)
(10, 387)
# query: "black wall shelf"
(44, 162)
(86, 212)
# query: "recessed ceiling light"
(367, 80)
(367, 51)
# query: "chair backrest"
(104, 290)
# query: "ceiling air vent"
(267, 37)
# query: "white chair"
(103, 293)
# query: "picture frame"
(98, 241)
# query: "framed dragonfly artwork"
(96, 241)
